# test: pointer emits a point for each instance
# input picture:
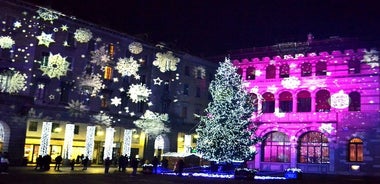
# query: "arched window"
(354, 101)
(303, 101)
(313, 148)
(250, 73)
(255, 101)
(322, 101)
(306, 69)
(268, 103)
(286, 102)
(276, 148)
(355, 150)
(284, 71)
(321, 68)
(270, 72)
(240, 72)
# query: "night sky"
(212, 27)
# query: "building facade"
(317, 105)
(69, 87)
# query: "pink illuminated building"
(317, 105)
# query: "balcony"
(299, 117)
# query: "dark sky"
(211, 27)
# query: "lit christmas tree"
(225, 132)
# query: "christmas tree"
(225, 132)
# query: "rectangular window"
(70, 40)
(33, 126)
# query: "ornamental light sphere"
(135, 48)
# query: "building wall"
(51, 98)
(339, 124)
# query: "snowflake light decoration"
(326, 127)
(6, 42)
(47, 15)
(100, 56)
(57, 66)
(91, 84)
(116, 101)
(291, 82)
(83, 35)
(127, 66)
(102, 119)
(153, 123)
(166, 61)
(139, 93)
(76, 108)
(371, 58)
(135, 48)
(45, 39)
(16, 83)
(199, 72)
(340, 100)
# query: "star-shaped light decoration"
(47, 15)
(150, 104)
(16, 83)
(371, 58)
(51, 97)
(126, 109)
(64, 27)
(17, 24)
(157, 81)
(57, 66)
(116, 101)
(45, 39)
(102, 119)
(153, 123)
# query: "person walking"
(107, 164)
(58, 161)
(155, 164)
(125, 164)
(72, 164)
(179, 167)
(38, 163)
(134, 165)
(85, 163)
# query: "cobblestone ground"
(96, 176)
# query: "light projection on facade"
(45, 138)
(6, 42)
(90, 138)
(68, 141)
(127, 142)
(340, 100)
(166, 61)
(108, 143)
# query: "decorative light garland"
(45, 138)
(90, 137)
(108, 144)
(127, 142)
(68, 141)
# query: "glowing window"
(250, 73)
(270, 72)
(321, 68)
(268, 102)
(284, 71)
(306, 69)
(276, 148)
(313, 148)
(355, 150)
(354, 101)
(322, 101)
(303, 101)
(286, 102)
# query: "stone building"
(69, 87)
(317, 105)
